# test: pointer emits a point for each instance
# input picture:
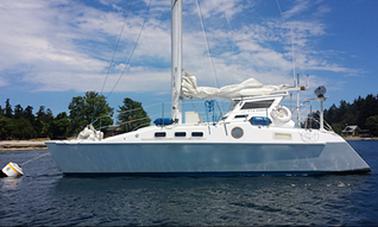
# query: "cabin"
(351, 130)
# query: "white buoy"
(12, 170)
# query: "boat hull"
(206, 158)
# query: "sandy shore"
(354, 138)
(22, 145)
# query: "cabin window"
(160, 134)
(197, 134)
(257, 104)
(241, 116)
(180, 134)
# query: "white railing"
(327, 126)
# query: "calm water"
(45, 197)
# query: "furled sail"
(247, 88)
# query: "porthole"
(197, 134)
(237, 132)
(180, 134)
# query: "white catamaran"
(257, 136)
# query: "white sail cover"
(247, 88)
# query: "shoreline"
(357, 138)
(22, 145)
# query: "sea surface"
(44, 197)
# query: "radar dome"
(320, 91)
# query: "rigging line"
(35, 158)
(292, 53)
(232, 32)
(126, 122)
(112, 59)
(220, 109)
(233, 49)
(291, 41)
(207, 42)
(132, 51)
(126, 111)
(279, 7)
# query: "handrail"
(126, 111)
(327, 127)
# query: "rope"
(219, 108)
(35, 158)
(233, 49)
(207, 42)
(126, 111)
(279, 7)
(127, 122)
(132, 51)
(112, 59)
(293, 62)
(291, 41)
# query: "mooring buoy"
(12, 170)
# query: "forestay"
(247, 88)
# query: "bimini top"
(247, 88)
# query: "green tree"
(90, 108)
(372, 124)
(59, 127)
(28, 114)
(131, 115)
(21, 129)
(16, 124)
(43, 121)
(18, 111)
(8, 112)
(5, 128)
(355, 113)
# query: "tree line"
(91, 108)
(362, 112)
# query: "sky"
(51, 51)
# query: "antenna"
(298, 101)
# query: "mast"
(176, 58)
